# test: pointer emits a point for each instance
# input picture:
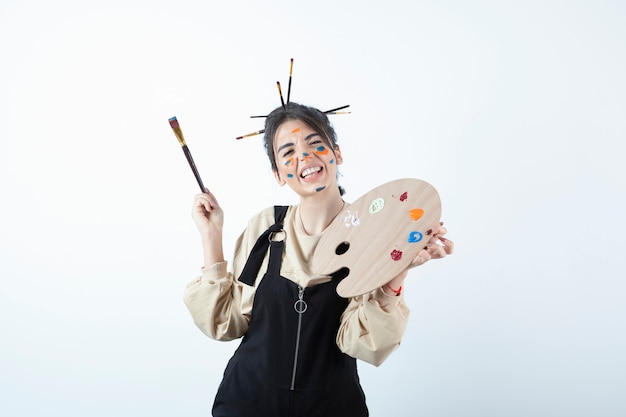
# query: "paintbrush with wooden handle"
(181, 139)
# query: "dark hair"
(314, 118)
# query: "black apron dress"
(288, 364)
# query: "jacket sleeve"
(219, 304)
(214, 301)
(372, 326)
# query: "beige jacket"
(371, 327)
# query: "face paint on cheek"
(288, 163)
(332, 161)
(321, 150)
(320, 189)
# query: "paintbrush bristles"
(177, 131)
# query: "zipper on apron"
(300, 306)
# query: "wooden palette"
(377, 236)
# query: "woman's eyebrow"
(283, 146)
(307, 138)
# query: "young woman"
(300, 339)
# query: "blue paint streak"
(320, 189)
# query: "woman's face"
(304, 160)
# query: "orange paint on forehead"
(296, 130)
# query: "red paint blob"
(403, 196)
(396, 255)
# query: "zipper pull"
(300, 305)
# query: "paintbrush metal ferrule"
(177, 130)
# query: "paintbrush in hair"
(334, 111)
(280, 92)
(289, 87)
(331, 111)
(181, 139)
(258, 132)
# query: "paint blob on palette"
(375, 238)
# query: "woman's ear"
(279, 180)
(338, 157)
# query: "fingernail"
(443, 239)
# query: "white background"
(513, 110)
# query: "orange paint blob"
(416, 213)
(296, 130)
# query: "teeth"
(310, 171)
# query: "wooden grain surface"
(378, 235)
